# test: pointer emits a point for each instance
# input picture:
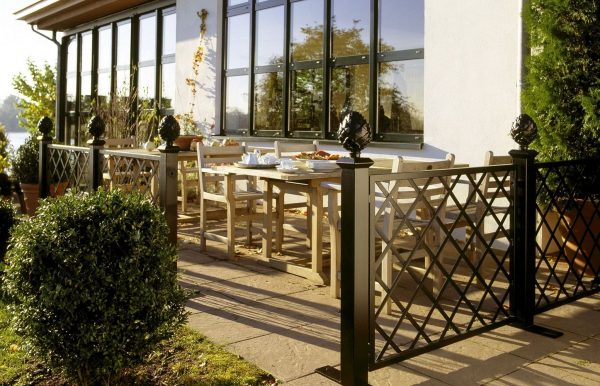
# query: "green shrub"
(562, 89)
(93, 283)
(7, 220)
(25, 167)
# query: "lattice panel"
(568, 231)
(67, 168)
(132, 174)
(440, 251)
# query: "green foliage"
(3, 149)
(39, 94)
(25, 164)
(562, 91)
(93, 283)
(8, 218)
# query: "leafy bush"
(25, 164)
(562, 91)
(7, 220)
(93, 283)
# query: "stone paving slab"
(289, 327)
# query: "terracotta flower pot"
(184, 141)
(582, 245)
(58, 189)
(31, 192)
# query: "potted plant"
(25, 169)
(562, 94)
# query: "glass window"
(349, 92)
(86, 71)
(400, 108)
(147, 39)
(402, 24)
(238, 48)
(307, 30)
(269, 36)
(306, 104)
(350, 27)
(236, 104)
(123, 58)
(268, 106)
(71, 87)
(168, 85)
(104, 48)
(168, 40)
(146, 82)
(292, 64)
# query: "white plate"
(321, 164)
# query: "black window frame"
(75, 134)
(374, 58)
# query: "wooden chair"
(188, 175)
(290, 149)
(224, 191)
(494, 190)
(413, 198)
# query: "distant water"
(16, 139)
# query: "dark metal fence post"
(169, 131)
(96, 161)
(355, 271)
(522, 296)
(523, 225)
(355, 303)
(167, 186)
(44, 127)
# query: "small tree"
(3, 149)
(562, 91)
(38, 89)
(93, 282)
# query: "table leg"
(316, 203)
(267, 242)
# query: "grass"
(186, 359)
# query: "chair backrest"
(288, 149)
(491, 184)
(427, 191)
(209, 156)
(118, 143)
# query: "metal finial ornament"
(354, 133)
(168, 130)
(45, 126)
(96, 127)
(524, 131)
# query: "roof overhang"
(61, 15)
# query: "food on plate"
(317, 155)
(230, 142)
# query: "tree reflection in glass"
(349, 92)
(400, 108)
(306, 106)
(350, 26)
(307, 30)
(268, 101)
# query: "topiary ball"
(93, 283)
(354, 133)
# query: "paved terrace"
(289, 327)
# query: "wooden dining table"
(312, 180)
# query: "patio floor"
(289, 327)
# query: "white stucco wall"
(472, 72)
(188, 38)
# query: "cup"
(286, 164)
(250, 158)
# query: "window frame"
(328, 63)
(131, 17)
